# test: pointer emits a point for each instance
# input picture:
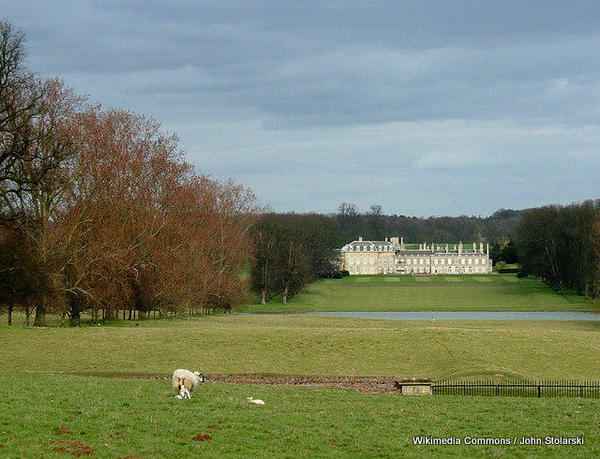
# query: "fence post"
(580, 391)
(539, 390)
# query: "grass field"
(309, 345)
(99, 411)
(442, 293)
(76, 391)
(55, 416)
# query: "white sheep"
(184, 382)
(255, 401)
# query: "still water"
(466, 315)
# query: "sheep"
(184, 382)
(255, 401)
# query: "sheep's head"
(200, 376)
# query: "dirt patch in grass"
(118, 436)
(63, 430)
(74, 448)
(365, 384)
(202, 437)
(214, 427)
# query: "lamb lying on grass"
(184, 382)
(255, 401)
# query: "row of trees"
(374, 225)
(100, 212)
(561, 245)
(291, 250)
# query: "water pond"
(467, 315)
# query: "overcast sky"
(425, 107)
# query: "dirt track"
(366, 384)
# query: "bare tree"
(19, 96)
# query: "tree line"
(373, 224)
(100, 212)
(561, 245)
(292, 250)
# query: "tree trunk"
(10, 310)
(75, 318)
(264, 296)
(285, 294)
(40, 316)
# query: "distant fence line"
(542, 388)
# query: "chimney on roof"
(359, 238)
(481, 247)
(432, 248)
(386, 239)
(460, 247)
(474, 247)
(488, 250)
(446, 248)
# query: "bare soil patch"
(63, 430)
(74, 448)
(365, 384)
(202, 437)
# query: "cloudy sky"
(425, 107)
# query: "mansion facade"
(393, 257)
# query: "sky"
(424, 107)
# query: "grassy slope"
(308, 345)
(141, 418)
(441, 293)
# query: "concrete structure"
(392, 257)
(414, 386)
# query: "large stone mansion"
(392, 257)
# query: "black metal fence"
(545, 388)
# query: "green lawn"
(55, 416)
(442, 293)
(309, 345)
(75, 379)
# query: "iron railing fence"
(519, 388)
